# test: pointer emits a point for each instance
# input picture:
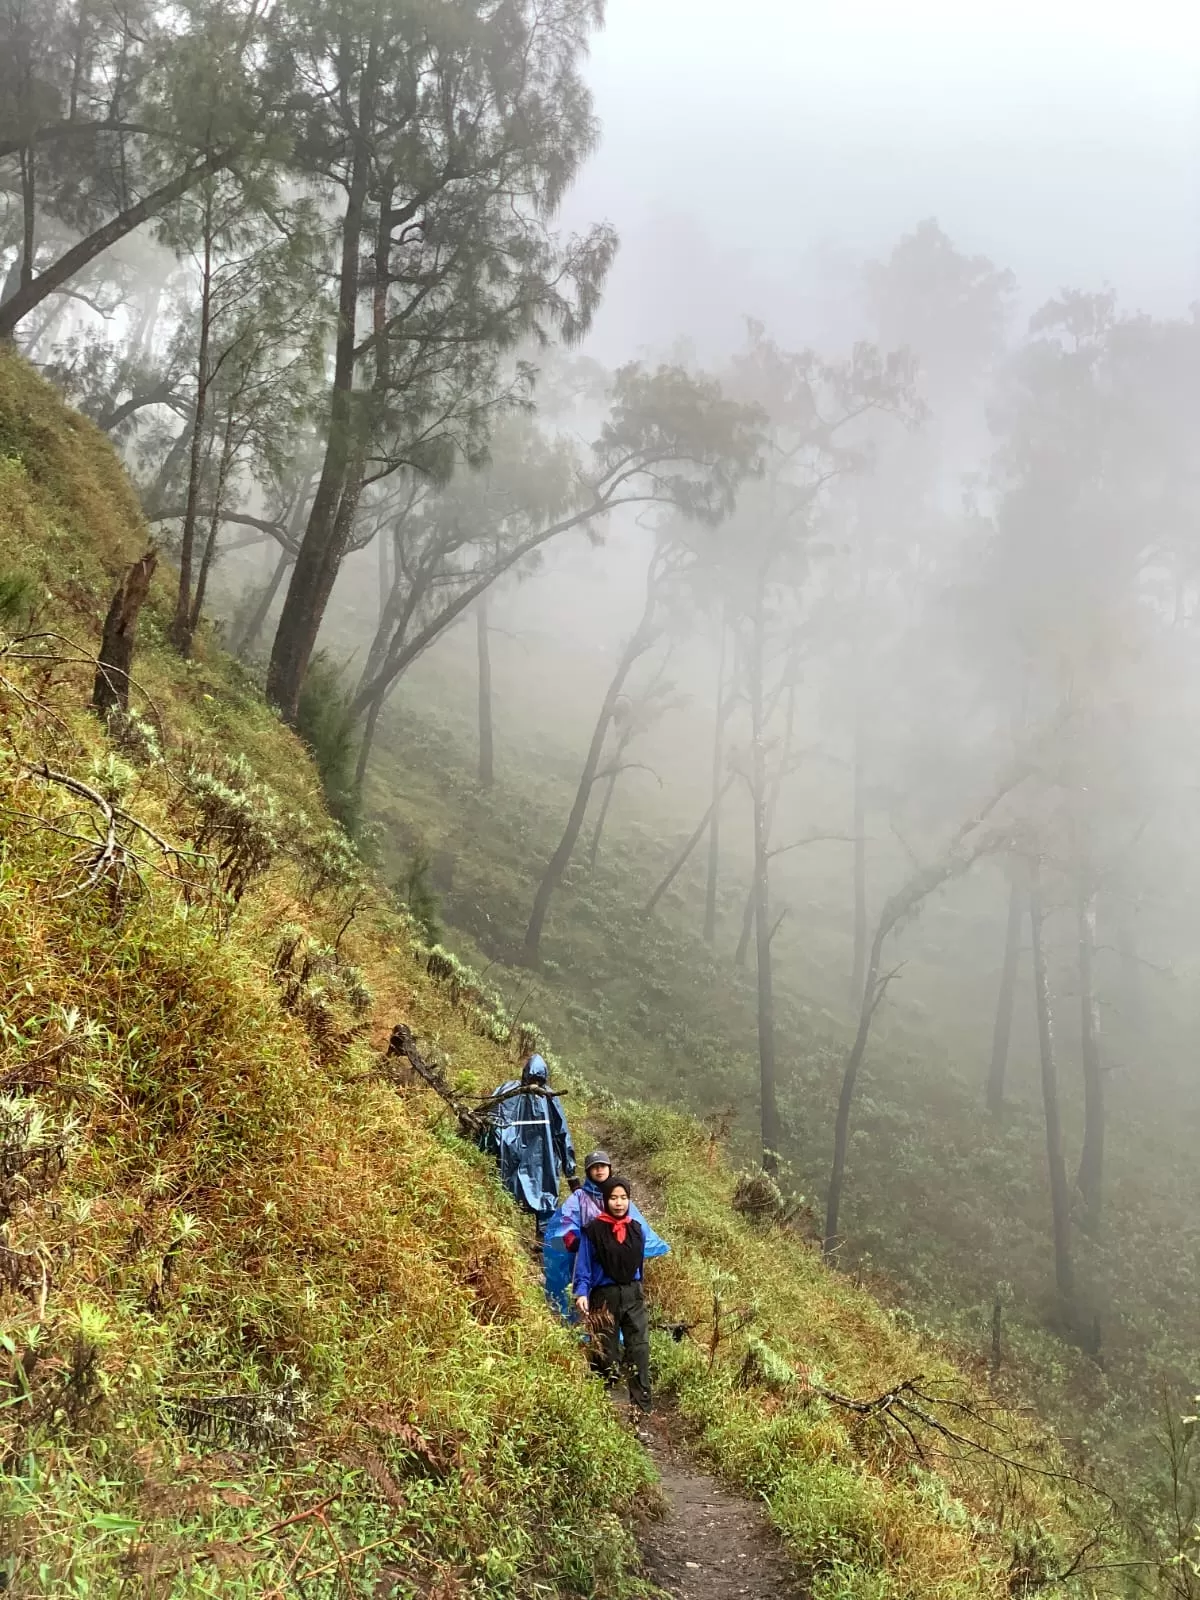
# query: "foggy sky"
(754, 150)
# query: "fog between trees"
(838, 599)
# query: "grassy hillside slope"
(945, 1206)
(267, 1326)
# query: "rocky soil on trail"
(711, 1544)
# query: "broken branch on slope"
(473, 1119)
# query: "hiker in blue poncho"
(529, 1137)
(561, 1238)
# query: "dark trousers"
(618, 1310)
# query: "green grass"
(774, 1332)
(265, 1321)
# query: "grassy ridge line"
(249, 1211)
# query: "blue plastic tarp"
(531, 1141)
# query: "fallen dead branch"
(110, 853)
(473, 1116)
(908, 1406)
(402, 1044)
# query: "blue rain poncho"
(561, 1241)
(531, 1142)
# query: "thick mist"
(751, 158)
(718, 494)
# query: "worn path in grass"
(710, 1545)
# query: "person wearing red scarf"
(608, 1290)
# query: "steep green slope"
(267, 1326)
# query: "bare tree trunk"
(714, 809)
(110, 691)
(629, 731)
(214, 529)
(370, 726)
(397, 606)
(257, 621)
(29, 217)
(602, 816)
(207, 557)
(1059, 1198)
(748, 914)
(903, 904)
(1002, 1031)
(681, 859)
(487, 770)
(1090, 1179)
(262, 611)
(1132, 1002)
(47, 327)
(768, 1101)
(858, 976)
(390, 613)
(155, 498)
(641, 640)
(181, 633)
(859, 801)
(387, 577)
(313, 578)
(871, 996)
(743, 944)
(392, 624)
(340, 483)
(144, 340)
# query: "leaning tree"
(448, 136)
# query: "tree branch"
(72, 261)
(54, 131)
(241, 519)
(812, 838)
(617, 768)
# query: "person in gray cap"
(597, 1169)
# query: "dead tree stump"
(110, 692)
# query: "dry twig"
(907, 1404)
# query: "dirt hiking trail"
(711, 1544)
